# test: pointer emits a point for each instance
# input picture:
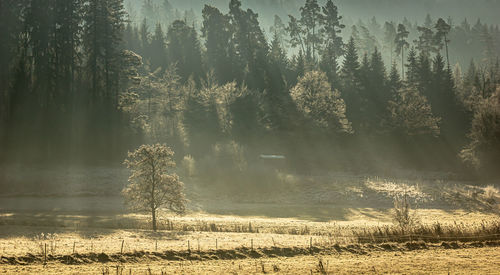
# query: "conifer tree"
(401, 44)
(184, 50)
(351, 83)
(217, 33)
(311, 20)
(334, 45)
(158, 49)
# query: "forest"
(83, 81)
(249, 137)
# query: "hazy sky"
(487, 10)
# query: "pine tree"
(401, 44)
(277, 54)
(279, 29)
(217, 33)
(311, 20)
(276, 100)
(102, 41)
(394, 82)
(10, 28)
(378, 94)
(296, 33)
(424, 75)
(351, 83)
(333, 42)
(442, 31)
(443, 100)
(184, 50)
(412, 68)
(250, 46)
(426, 43)
(158, 49)
(389, 38)
(68, 17)
(145, 37)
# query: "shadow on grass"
(317, 213)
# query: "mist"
(178, 116)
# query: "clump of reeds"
(436, 232)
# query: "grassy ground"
(323, 216)
(430, 261)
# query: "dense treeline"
(81, 81)
(61, 78)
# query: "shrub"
(403, 215)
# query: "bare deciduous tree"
(151, 186)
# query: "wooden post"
(311, 243)
(156, 245)
(74, 244)
(45, 254)
(216, 245)
(121, 250)
(251, 241)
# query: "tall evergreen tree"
(158, 49)
(412, 68)
(250, 46)
(184, 50)
(394, 82)
(311, 20)
(401, 44)
(145, 37)
(426, 43)
(389, 38)
(102, 40)
(442, 31)
(351, 83)
(217, 34)
(378, 93)
(334, 46)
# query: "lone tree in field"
(151, 186)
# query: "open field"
(434, 260)
(220, 244)
(345, 221)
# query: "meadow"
(303, 231)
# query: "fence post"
(74, 244)
(121, 249)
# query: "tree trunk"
(153, 215)
(402, 63)
(447, 55)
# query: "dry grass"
(430, 261)
(230, 232)
(333, 214)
